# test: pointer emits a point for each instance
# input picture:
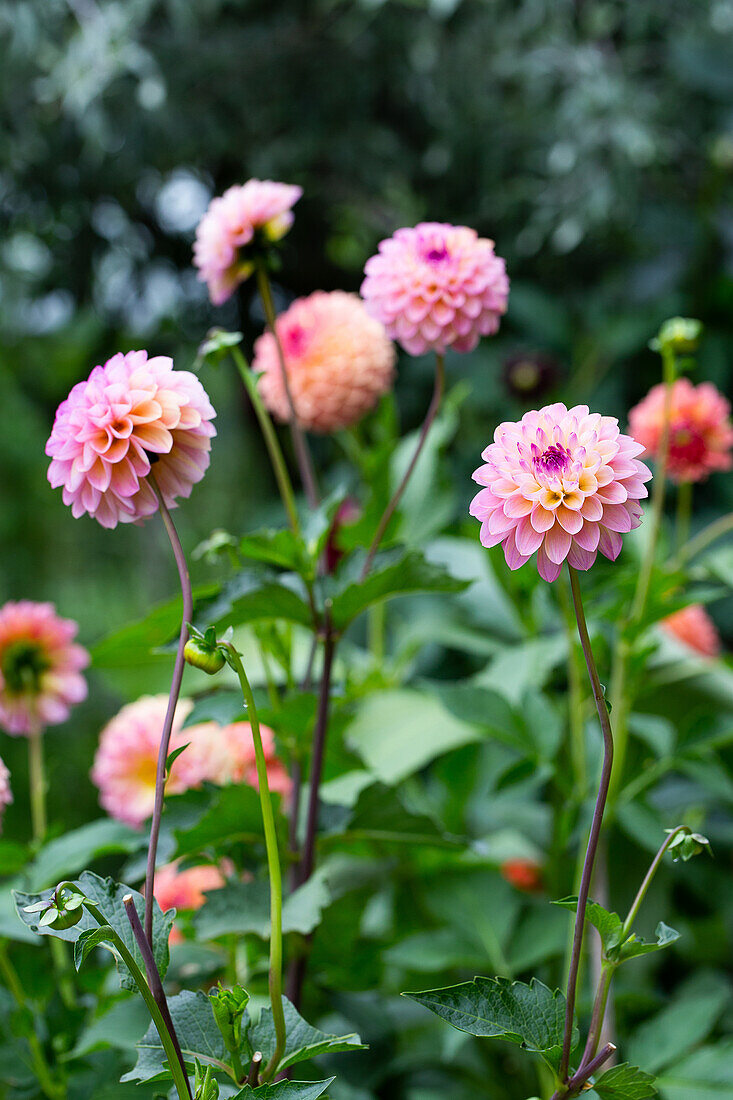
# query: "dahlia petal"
(609, 543)
(556, 544)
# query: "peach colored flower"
(129, 413)
(339, 361)
(243, 767)
(6, 794)
(225, 754)
(255, 213)
(694, 628)
(40, 667)
(127, 757)
(524, 874)
(436, 286)
(185, 889)
(563, 482)
(700, 430)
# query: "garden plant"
(324, 846)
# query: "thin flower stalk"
(273, 863)
(300, 443)
(165, 738)
(438, 387)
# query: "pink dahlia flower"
(129, 413)
(127, 758)
(339, 361)
(258, 209)
(225, 754)
(6, 794)
(40, 667)
(185, 889)
(238, 737)
(700, 430)
(563, 482)
(436, 286)
(694, 628)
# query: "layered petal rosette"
(694, 628)
(40, 667)
(436, 286)
(232, 225)
(130, 413)
(700, 429)
(564, 483)
(339, 362)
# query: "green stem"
(52, 1089)
(684, 513)
(273, 862)
(654, 867)
(576, 696)
(300, 443)
(269, 434)
(37, 777)
(179, 1077)
(703, 539)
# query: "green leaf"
(532, 1016)
(635, 946)
(93, 937)
(237, 908)
(203, 818)
(256, 594)
(286, 1090)
(277, 547)
(396, 733)
(132, 644)
(684, 1023)
(120, 1026)
(107, 895)
(625, 1082)
(706, 1074)
(303, 1040)
(68, 854)
(198, 1035)
(396, 572)
(609, 925)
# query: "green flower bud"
(199, 653)
(229, 1007)
(680, 335)
(206, 1087)
(62, 910)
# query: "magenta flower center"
(437, 255)
(687, 445)
(295, 340)
(553, 462)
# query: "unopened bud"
(62, 910)
(680, 335)
(202, 651)
(229, 1007)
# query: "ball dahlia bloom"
(185, 889)
(700, 430)
(40, 667)
(255, 213)
(339, 361)
(694, 628)
(435, 287)
(129, 413)
(6, 794)
(562, 482)
(127, 758)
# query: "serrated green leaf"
(257, 594)
(286, 1090)
(625, 1082)
(198, 1035)
(609, 924)
(532, 1016)
(634, 946)
(107, 895)
(93, 937)
(303, 1041)
(396, 572)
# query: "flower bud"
(202, 651)
(229, 1007)
(62, 910)
(679, 335)
(205, 1085)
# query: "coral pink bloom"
(339, 361)
(129, 413)
(563, 482)
(234, 221)
(700, 431)
(127, 758)
(40, 667)
(6, 795)
(238, 737)
(186, 889)
(225, 754)
(694, 628)
(436, 286)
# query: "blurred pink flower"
(40, 667)
(700, 431)
(694, 628)
(339, 361)
(126, 760)
(563, 482)
(186, 889)
(436, 286)
(232, 222)
(129, 413)
(6, 794)
(127, 756)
